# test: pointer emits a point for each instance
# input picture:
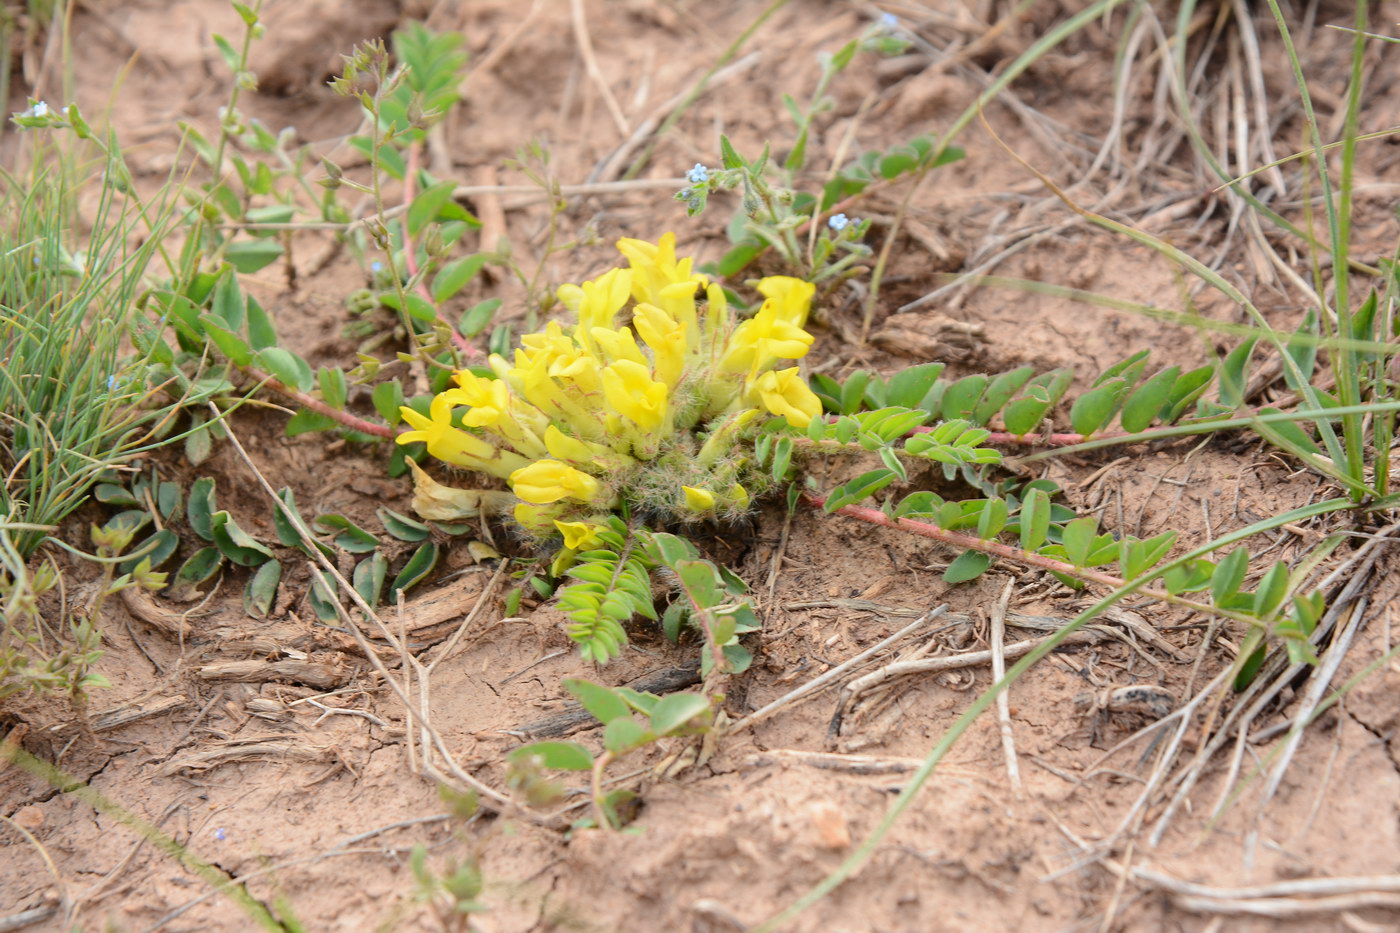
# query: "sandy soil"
(319, 811)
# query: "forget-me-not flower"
(698, 175)
(838, 222)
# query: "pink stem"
(344, 418)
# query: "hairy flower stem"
(1029, 558)
(344, 418)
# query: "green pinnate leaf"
(1147, 399)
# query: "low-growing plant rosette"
(644, 403)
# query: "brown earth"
(319, 811)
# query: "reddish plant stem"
(343, 418)
(997, 549)
(410, 251)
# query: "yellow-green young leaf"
(387, 398)
(1147, 399)
(455, 276)
(230, 344)
(332, 384)
(1000, 392)
(992, 520)
(676, 711)
(1272, 591)
(1187, 388)
(478, 317)
(559, 756)
(1094, 408)
(261, 590)
(1189, 578)
(248, 256)
(969, 565)
(602, 703)
(1034, 520)
(1128, 369)
(1079, 540)
(1253, 652)
(960, 399)
(1233, 372)
(1229, 574)
(285, 366)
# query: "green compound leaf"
(197, 570)
(859, 489)
(331, 381)
(163, 544)
(1188, 387)
(369, 576)
(624, 735)
(323, 600)
(352, 537)
(230, 344)
(261, 591)
(559, 756)
(456, 275)
(478, 317)
(1042, 393)
(403, 527)
(261, 332)
(1094, 408)
(235, 543)
(602, 703)
(1034, 520)
(416, 570)
(999, 392)
(1229, 575)
(248, 256)
(306, 421)
(1191, 577)
(673, 714)
(387, 398)
(1147, 400)
(969, 565)
(201, 507)
(285, 366)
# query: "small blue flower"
(838, 222)
(220, 834)
(687, 193)
(40, 109)
(111, 383)
(376, 266)
(889, 21)
(698, 175)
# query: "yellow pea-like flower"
(578, 536)
(453, 445)
(654, 266)
(785, 393)
(667, 339)
(546, 481)
(631, 392)
(618, 345)
(597, 302)
(790, 299)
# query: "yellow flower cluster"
(648, 408)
